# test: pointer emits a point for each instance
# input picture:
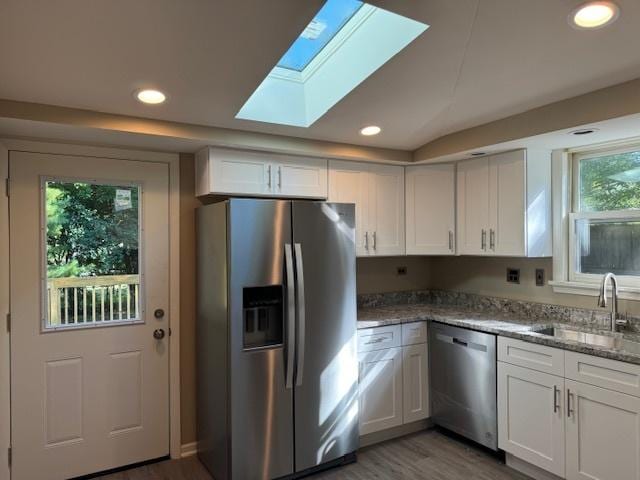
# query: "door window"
(92, 253)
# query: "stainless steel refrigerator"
(277, 373)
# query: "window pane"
(92, 253)
(610, 182)
(608, 246)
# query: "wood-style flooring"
(428, 455)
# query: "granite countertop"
(503, 324)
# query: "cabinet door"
(301, 177)
(473, 206)
(386, 210)
(349, 183)
(415, 382)
(380, 390)
(531, 417)
(239, 172)
(431, 207)
(507, 204)
(603, 434)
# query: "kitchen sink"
(600, 340)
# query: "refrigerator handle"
(301, 310)
(291, 315)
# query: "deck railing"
(90, 300)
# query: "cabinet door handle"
(366, 240)
(269, 176)
(374, 240)
(556, 404)
(492, 239)
(483, 240)
(569, 409)
(450, 240)
(280, 177)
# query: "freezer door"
(326, 377)
(261, 405)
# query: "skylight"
(324, 26)
(345, 43)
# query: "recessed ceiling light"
(370, 130)
(150, 96)
(594, 15)
(584, 131)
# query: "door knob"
(158, 334)
(159, 313)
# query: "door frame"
(172, 160)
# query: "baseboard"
(188, 449)
(528, 469)
(395, 432)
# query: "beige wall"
(487, 276)
(377, 275)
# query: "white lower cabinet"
(415, 389)
(574, 429)
(380, 389)
(603, 434)
(531, 416)
(393, 376)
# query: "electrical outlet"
(540, 277)
(513, 275)
(401, 270)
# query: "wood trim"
(395, 432)
(189, 449)
(5, 358)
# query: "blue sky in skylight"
(325, 25)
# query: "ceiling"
(481, 60)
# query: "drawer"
(414, 332)
(378, 338)
(602, 372)
(531, 355)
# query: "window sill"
(592, 289)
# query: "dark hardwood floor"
(428, 455)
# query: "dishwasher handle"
(462, 343)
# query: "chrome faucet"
(602, 300)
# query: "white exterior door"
(386, 210)
(89, 378)
(531, 416)
(603, 434)
(349, 183)
(380, 389)
(473, 206)
(431, 209)
(506, 204)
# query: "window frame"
(44, 327)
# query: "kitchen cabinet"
(431, 209)
(583, 424)
(378, 192)
(603, 433)
(222, 171)
(531, 416)
(504, 204)
(380, 377)
(415, 389)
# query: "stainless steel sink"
(589, 338)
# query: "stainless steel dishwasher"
(463, 382)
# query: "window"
(604, 229)
(92, 253)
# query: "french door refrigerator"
(277, 375)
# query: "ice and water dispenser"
(262, 313)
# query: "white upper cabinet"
(378, 192)
(504, 205)
(431, 209)
(223, 171)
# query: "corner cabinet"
(222, 171)
(431, 209)
(504, 205)
(378, 192)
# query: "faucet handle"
(623, 322)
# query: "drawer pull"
(569, 409)
(374, 341)
(556, 405)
